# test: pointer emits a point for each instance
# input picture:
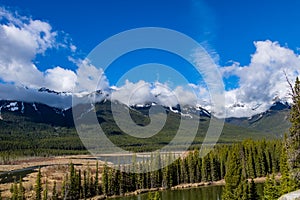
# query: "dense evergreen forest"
(248, 159)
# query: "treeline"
(253, 159)
(22, 137)
(42, 141)
(289, 162)
(236, 163)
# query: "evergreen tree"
(287, 184)
(110, 182)
(78, 184)
(88, 182)
(198, 166)
(116, 182)
(85, 185)
(21, 191)
(45, 192)
(251, 164)
(258, 161)
(122, 181)
(241, 193)
(253, 191)
(96, 184)
(65, 188)
(14, 191)
(206, 168)
(54, 192)
(233, 175)
(294, 136)
(215, 168)
(191, 164)
(156, 196)
(150, 196)
(73, 193)
(105, 179)
(271, 191)
(38, 186)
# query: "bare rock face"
(291, 196)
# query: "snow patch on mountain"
(34, 106)
(23, 108)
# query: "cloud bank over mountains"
(263, 81)
(22, 39)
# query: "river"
(205, 193)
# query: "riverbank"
(178, 187)
(53, 169)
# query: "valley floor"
(55, 168)
(52, 168)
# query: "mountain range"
(33, 118)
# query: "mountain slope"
(274, 121)
(36, 128)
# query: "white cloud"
(143, 92)
(263, 80)
(89, 77)
(133, 93)
(73, 47)
(22, 39)
(60, 79)
(12, 92)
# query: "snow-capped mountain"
(50, 106)
(34, 111)
(275, 119)
(46, 90)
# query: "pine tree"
(85, 185)
(253, 191)
(258, 162)
(88, 182)
(38, 186)
(78, 184)
(14, 191)
(96, 184)
(251, 164)
(271, 191)
(294, 136)
(110, 182)
(122, 181)
(287, 184)
(191, 165)
(198, 166)
(206, 168)
(45, 192)
(54, 192)
(116, 181)
(233, 177)
(73, 193)
(21, 191)
(150, 196)
(215, 168)
(156, 196)
(105, 179)
(65, 188)
(241, 193)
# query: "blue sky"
(227, 29)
